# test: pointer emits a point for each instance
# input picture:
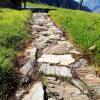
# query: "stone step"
(60, 48)
(56, 59)
(59, 71)
(57, 56)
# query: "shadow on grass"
(33, 9)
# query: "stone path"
(66, 75)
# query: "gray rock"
(49, 34)
(46, 33)
(19, 93)
(55, 29)
(80, 85)
(24, 79)
(61, 47)
(28, 69)
(31, 54)
(55, 70)
(67, 43)
(73, 51)
(57, 59)
(41, 42)
(53, 36)
(40, 21)
(36, 92)
(65, 91)
(39, 28)
(80, 63)
(51, 99)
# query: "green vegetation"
(83, 27)
(12, 33)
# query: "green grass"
(13, 31)
(82, 27)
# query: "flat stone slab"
(61, 47)
(59, 71)
(57, 59)
(36, 92)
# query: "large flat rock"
(59, 71)
(36, 92)
(61, 47)
(57, 59)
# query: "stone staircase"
(65, 74)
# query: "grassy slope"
(12, 32)
(83, 27)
